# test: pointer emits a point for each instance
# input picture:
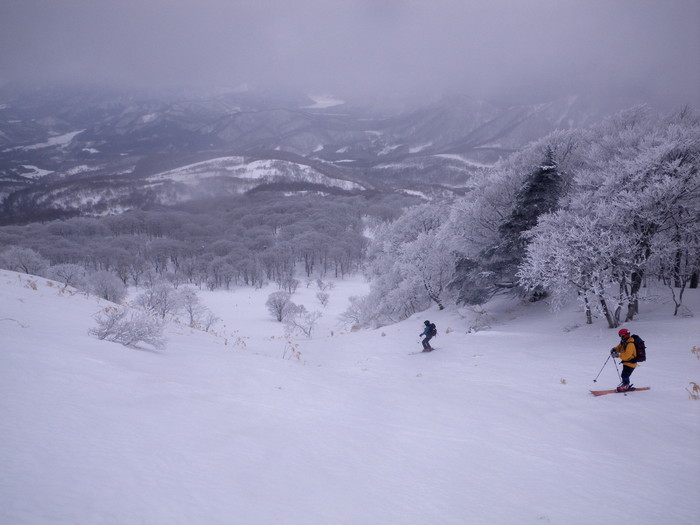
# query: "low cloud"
(363, 48)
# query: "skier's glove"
(613, 352)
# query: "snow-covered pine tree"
(539, 194)
(477, 277)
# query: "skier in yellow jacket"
(626, 351)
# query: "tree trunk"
(587, 309)
(633, 304)
(438, 302)
(606, 311)
(677, 269)
(624, 292)
(616, 315)
(678, 301)
(434, 296)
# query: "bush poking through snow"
(129, 327)
(299, 320)
(291, 350)
(323, 298)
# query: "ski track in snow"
(494, 427)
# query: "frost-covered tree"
(69, 274)
(107, 286)
(634, 212)
(488, 231)
(676, 262)
(570, 256)
(539, 194)
(432, 264)
(298, 319)
(160, 299)
(357, 313)
(129, 328)
(289, 284)
(278, 304)
(323, 298)
(198, 315)
(646, 173)
(220, 273)
(324, 285)
(408, 265)
(24, 260)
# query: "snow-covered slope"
(248, 426)
(256, 171)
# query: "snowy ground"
(494, 427)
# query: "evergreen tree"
(478, 278)
(539, 195)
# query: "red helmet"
(624, 333)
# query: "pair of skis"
(421, 352)
(603, 392)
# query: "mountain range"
(67, 151)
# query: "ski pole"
(601, 370)
(618, 371)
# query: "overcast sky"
(491, 48)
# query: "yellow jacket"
(627, 351)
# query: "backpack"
(433, 329)
(641, 349)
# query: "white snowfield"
(259, 170)
(57, 141)
(495, 427)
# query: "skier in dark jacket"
(627, 352)
(427, 334)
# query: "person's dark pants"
(626, 373)
(426, 341)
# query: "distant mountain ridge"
(78, 140)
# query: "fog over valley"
(363, 50)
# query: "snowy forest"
(590, 213)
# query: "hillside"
(247, 426)
(92, 151)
